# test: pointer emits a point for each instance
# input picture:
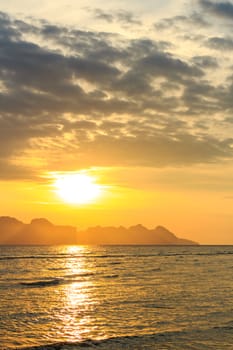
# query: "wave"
(25, 257)
(195, 251)
(187, 339)
(57, 268)
(81, 274)
(111, 276)
(65, 279)
(115, 263)
(43, 283)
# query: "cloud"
(178, 22)
(222, 9)
(11, 171)
(80, 98)
(156, 150)
(121, 16)
(220, 43)
(104, 16)
(206, 61)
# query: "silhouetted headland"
(137, 234)
(41, 231)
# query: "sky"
(135, 94)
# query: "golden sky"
(137, 96)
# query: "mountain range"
(42, 231)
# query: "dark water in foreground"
(126, 297)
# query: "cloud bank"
(72, 98)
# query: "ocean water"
(116, 297)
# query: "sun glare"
(77, 188)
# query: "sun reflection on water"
(78, 302)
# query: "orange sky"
(189, 209)
(136, 96)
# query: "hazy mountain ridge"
(42, 231)
(137, 234)
(39, 231)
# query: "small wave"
(114, 255)
(43, 283)
(65, 279)
(195, 339)
(107, 343)
(40, 257)
(115, 263)
(31, 257)
(81, 274)
(154, 306)
(156, 269)
(111, 276)
(225, 327)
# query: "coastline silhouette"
(41, 231)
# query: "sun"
(77, 188)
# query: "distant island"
(42, 231)
(137, 234)
(39, 231)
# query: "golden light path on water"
(77, 301)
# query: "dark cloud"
(219, 43)
(178, 22)
(127, 17)
(165, 65)
(10, 171)
(220, 8)
(155, 150)
(121, 16)
(104, 16)
(89, 98)
(7, 32)
(206, 61)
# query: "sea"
(116, 297)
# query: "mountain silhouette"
(137, 234)
(39, 231)
(42, 231)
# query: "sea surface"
(116, 297)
